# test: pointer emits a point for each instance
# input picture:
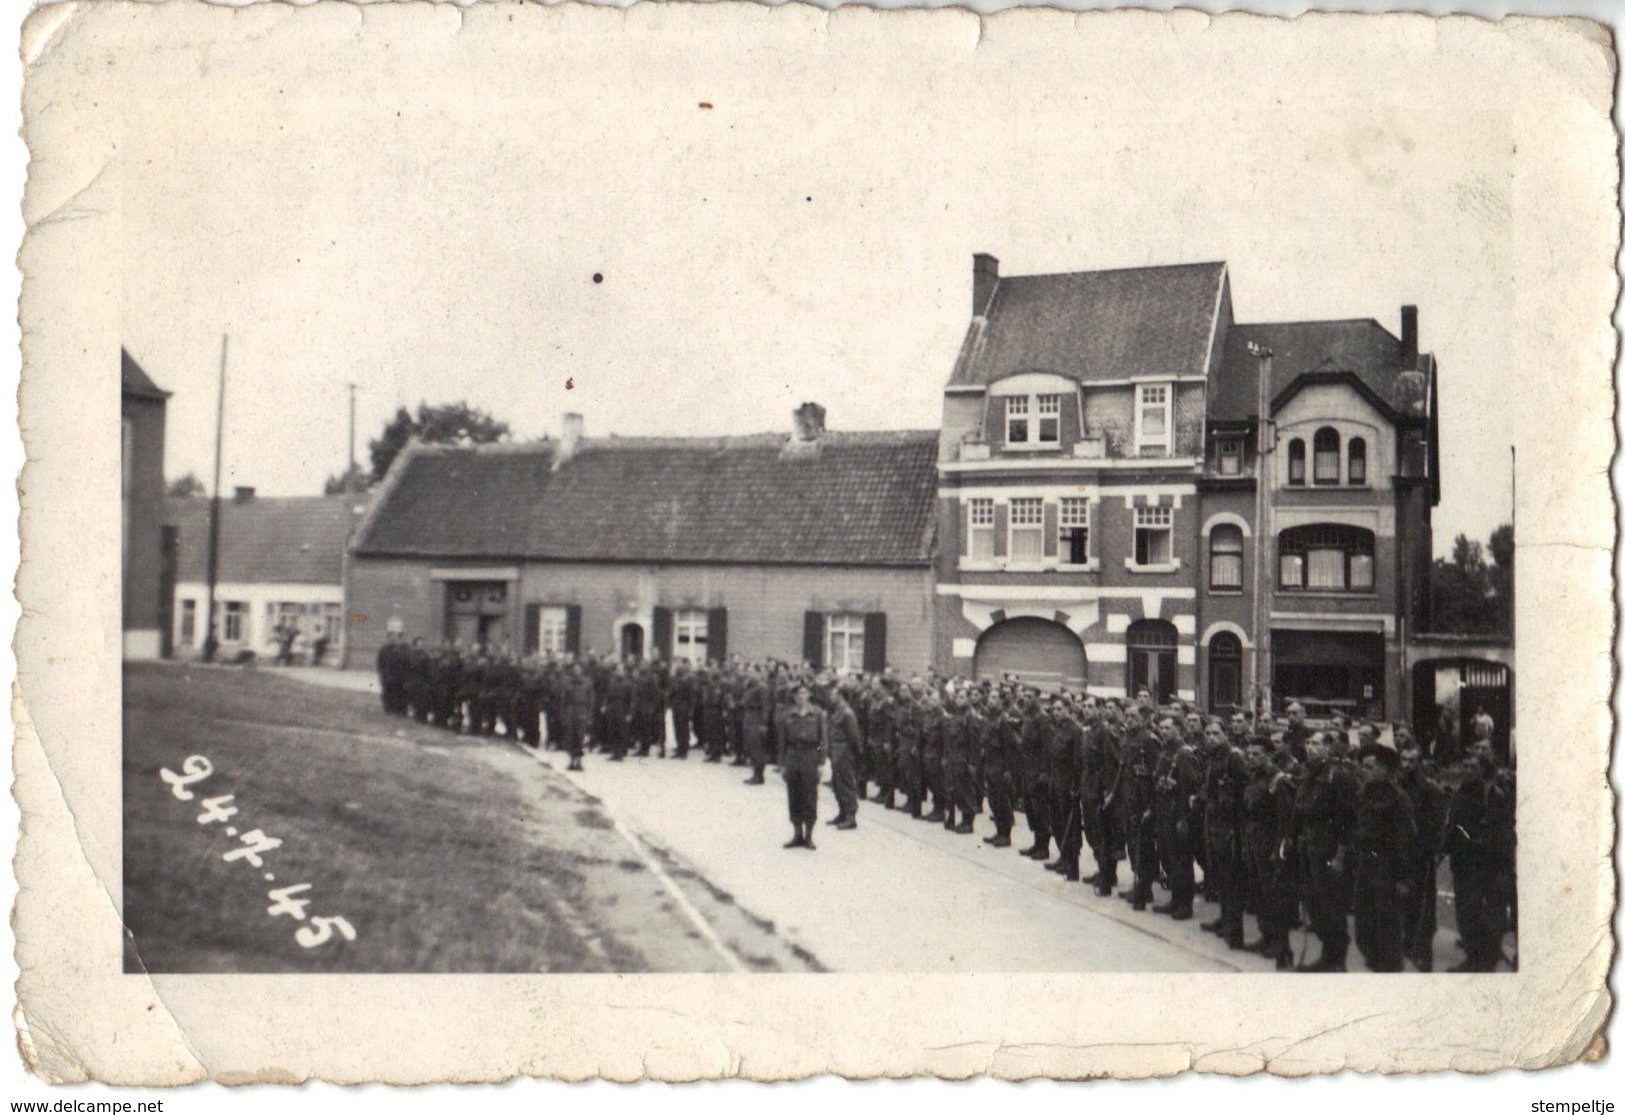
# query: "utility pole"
(349, 467)
(1263, 539)
(210, 642)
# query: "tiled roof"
(1360, 346)
(1095, 325)
(860, 499)
(266, 540)
(136, 381)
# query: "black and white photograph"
(1026, 502)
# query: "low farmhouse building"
(281, 565)
(815, 547)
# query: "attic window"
(1229, 454)
(1049, 419)
(1015, 420)
(1153, 417)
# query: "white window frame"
(1048, 408)
(1018, 408)
(1073, 514)
(1145, 404)
(690, 634)
(1160, 519)
(233, 614)
(1239, 554)
(186, 634)
(1235, 454)
(1021, 523)
(980, 526)
(552, 629)
(843, 642)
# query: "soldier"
(933, 738)
(1178, 781)
(1384, 841)
(1323, 826)
(1098, 771)
(883, 741)
(648, 709)
(1062, 755)
(1430, 803)
(682, 698)
(1224, 780)
(910, 728)
(1036, 730)
(1136, 785)
(575, 712)
(755, 708)
(1479, 839)
(714, 714)
(1001, 747)
(967, 735)
(804, 736)
(618, 696)
(1268, 804)
(1296, 736)
(843, 739)
(389, 679)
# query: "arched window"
(1294, 462)
(1224, 558)
(1356, 460)
(1328, 459)
(1327, 557)
(1223, 672)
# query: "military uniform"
(804, 734)
(1098, 769)
(843, 740)
(1323, 826)
(1135, 787)
(1479, 838)
(1384, 841)
(1178, 781)
(1224, 780)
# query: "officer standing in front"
(804, 738)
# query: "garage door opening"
(1038, 651)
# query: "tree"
(185, 487)
(439, 425)
(1471, 597)
(353, 479)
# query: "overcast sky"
(424, 215)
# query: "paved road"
(896, 894)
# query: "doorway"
(632, 641)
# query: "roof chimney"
(809, 421)
(1407, 337)
(569, 438)
(242, 494)
(984, 277)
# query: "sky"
(695, 243)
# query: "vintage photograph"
(1045, 510)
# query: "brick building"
(143, 551)
(816, 547)
(1098, 499)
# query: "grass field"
(443, 854)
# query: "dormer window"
(1229, 456)
(1049, 419)
(1153, 417)
(1016, 425)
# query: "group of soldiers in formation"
(1290, 824)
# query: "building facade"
(146, 558)
(816, 547)
(1099, 500)
(280, 566)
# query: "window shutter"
(1052, 513)
(533, 628)
(572, 628)
(874, 642)
(716, 634)
(812, 639)
(1001, 530)
(662, 632)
